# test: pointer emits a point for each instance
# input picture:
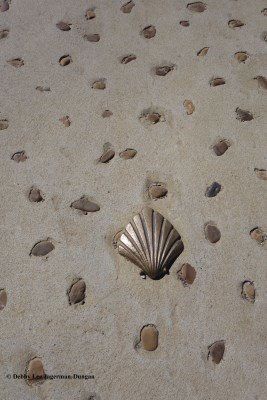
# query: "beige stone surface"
(99, 337)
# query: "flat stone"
(42, 248)
(76, 292)
(212, 233)
(187, 274)
(248, 291)
(35, 372)
(213, 190)
(85, 205)
(3, 299)
(216, 351)
(149, 337)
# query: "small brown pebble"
(63, 26)
(157, 191)
(203, 52)
(184, 23)
(216, 351)
(43, 88)
(107, 113)
(243, 115)
(128, 154)
(106, 156)
(261, 173)
(152, 118)
(3, 299)
(264, 11)
(187, 274)
(42, 248)
(65, 120)
(235, 23)
(213, 190)
(264, 36)
(149, 32)
(262, 81)
(35, 195)
(4, 33)
(258, 235)
(127, 7)
(189, 107)
(127, 59)
(212, 233)
(116, 238)
(3, 124)
(85, 205)
(4, 6)
(100, 85)
(90, 14)
(197, 6)
(217, 82)
(241, 56)
(221, 147)
(16, 62)
(248, 291)
(76, 293)
(95, 37)
(35, 372)
(19, 156)
(65, 60)
(149, 337)
(162, 71)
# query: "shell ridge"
(127, 251)
(135, 228)
(159, 242)
(165, 260)
(147, 239)
(135, 245)
(169, 243)
(163, 251)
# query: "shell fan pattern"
(151, 242)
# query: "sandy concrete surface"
(100, 337)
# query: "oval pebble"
(157, 191)
(184, 23)
(42, 248)
(19, 156)
(221, 147)
(258, 234)
(189, 107)
(248, 291)
(261, 173)
(3, 299)
(187, 274)
(217, 82)
(213, 190)
(127, 7)
(35, 195)
(90, 14)
(243, 115)
(149, 337)
(128, 154)
(16, 62)
(85, 205)
(241, 56)
(107, 113)
(149, 32)
(99, 85)
(65, 60)
(212, 233)
(127, 59)
(216, 351)
(164, 70)
(107, 156)
(3, 124)
(76, 293)
(4, 33)
(262, 81)
(235, 23)
(203, 52)
(198, 6)
(95, 37)
(65, 120)
(35, 372)
(63, 26)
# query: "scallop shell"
(151, 242)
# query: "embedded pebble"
(128, 154)
(243, 115)
(85, 205)
(149, 32)
(95, 37)
(221, 147)
(42, 248)
(248, 291)
(258, 234)
(261, 173)
(3, 124)
(216, 351)
(262, 81)
(43, 88)
(217, 82)
(241, 56)
(4, 6)
(213, 190)
(76, 293)
(197, 6)
(203, 52)
(65, 120)
(65, 60)
(164, 70)
(63, 26)
(212, 233)
(35, 372)
(151, 117)
(189, 107)
(107, 155)
(157, 191)
(16, 62)
(264, 11)
(90, 14)
(99, 85)
(3, 299)
(264, 36)
(107, 113)
(235, 23)
(149, 337)
(19, 156)
(187, 274)
(127, 7)
(184, 23)
(4, 33)
(127, 59)
(35, 195)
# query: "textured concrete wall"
(101, 336)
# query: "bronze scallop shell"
(151, 242)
